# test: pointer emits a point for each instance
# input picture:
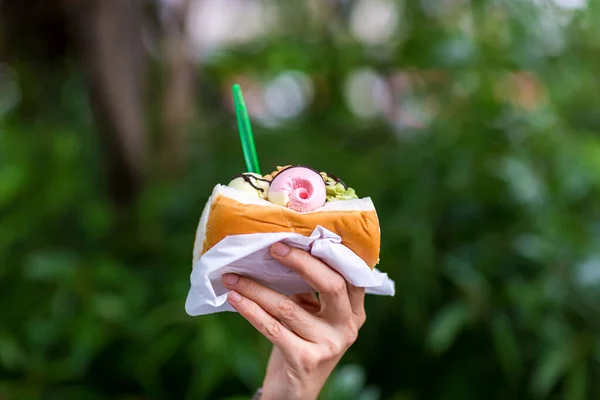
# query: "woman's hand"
(309, 336)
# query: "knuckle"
(361, 318)
(287, 309)
(250, 288)
(334, 347)
(272, 329)
(337, 286)
(348, 334)
(350, 337)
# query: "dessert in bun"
(291, 199)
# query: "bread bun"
(233, 212)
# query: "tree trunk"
(179, 90)
(110, 38)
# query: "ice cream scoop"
(250, 183)
(298, 188)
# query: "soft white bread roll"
(233, 212)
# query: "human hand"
(310, 336)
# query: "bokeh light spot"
(367, 93)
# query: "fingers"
(357, 302)
(330, 285)
(307, 301)
(277, 305)
(272, 329)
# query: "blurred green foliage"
(490, 220)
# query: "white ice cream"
(240, 184)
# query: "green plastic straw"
(245, 129)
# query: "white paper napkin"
(249, 255)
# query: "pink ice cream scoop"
(298, 188)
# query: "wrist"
(284, 392)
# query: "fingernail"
(235, 297)
(281, 249)
(230, 279)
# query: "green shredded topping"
(336, 191)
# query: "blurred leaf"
(467, 278)
(588, 153)
(446, 326)
(11, 354)
(577, 382)
(12, 179)
(507, 348)
(108, 306)
(51, 266)
(552, 367)
(587, 273)
(150, 362)
(527, 186)
(370, 393)
(532, 246)
(345, 383)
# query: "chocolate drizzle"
(248, 178)
(337, 180)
